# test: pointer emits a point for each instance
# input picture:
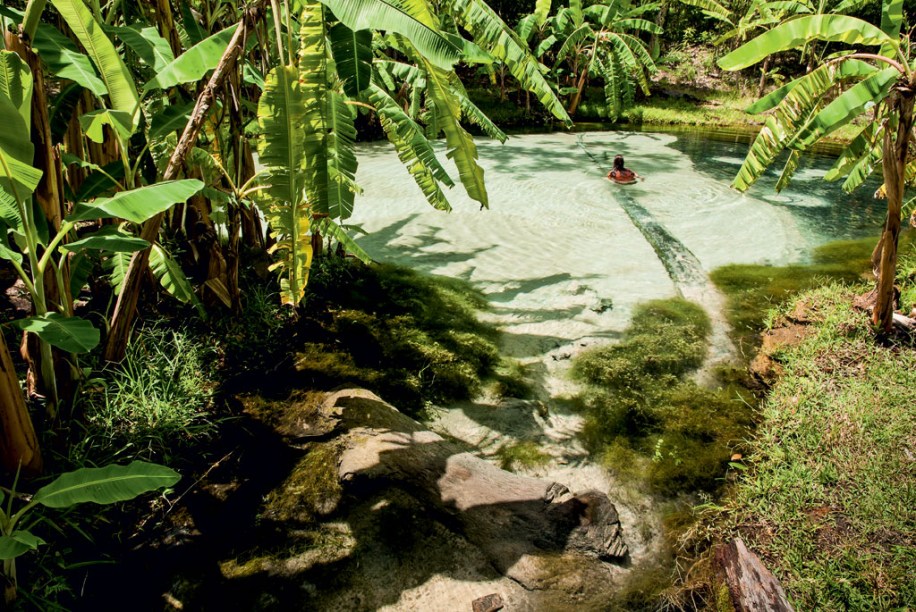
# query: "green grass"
(158, 398)
(647, 420)
(829, 500)
(521, 455)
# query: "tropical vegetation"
(177, 187)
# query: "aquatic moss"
(411, 338)
(521, 454)
(646, 419)
(311, 490)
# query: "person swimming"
(620, 174)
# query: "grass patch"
(159, 398)
(646, 419)
(829, 500)
(754, 290)
(521, 455)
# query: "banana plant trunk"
(18, 443)
(894, 160)
(580, 86)
(763, 77)
(53, 379)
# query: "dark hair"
(618, 162)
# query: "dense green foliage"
(646, 417)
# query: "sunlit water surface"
(560, 243)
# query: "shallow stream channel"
(563, 256)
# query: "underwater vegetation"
(645, 417)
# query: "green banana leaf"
(17, 176)
(849, 68)
(105, 485)
(780, 129)
(117, 265)
(846, 106)
(193, 64)
(327, 227)
(171, 119)
(541, 10)
(93, 123)
(109, 238)
(891, 20)
(71, 334)
(9, 212)
(18, 543)
(146, 42)
(461, 147)
(140, 204)
(863, 142)
(65, 61)
(282, 117)
(499, 40)
(315, 74)
(803, 30)
(172, 278)
(352, 53)
(16, 85)
(341, 158)
(102, 52)
(81, 266)
(388, 16)
(412, 148)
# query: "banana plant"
(306, 112)
(35, 250)
(603, 40)
(105, 485)
(874, 79)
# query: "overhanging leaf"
(383, 15)
(797, 32)
(194, 63)
(116, 76)
(109, 238)
(71, 334)
(352, 53)
(172, 278)
(105, 485)
(147, 44)
(138, 205)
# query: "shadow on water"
(682, 265)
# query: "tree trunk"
(53, 380)
(894, 164)
(654, 46)
(580, 86)
(751, 586)
(763, 76)
(18, 443)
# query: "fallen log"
(751, 586)
(506, 515)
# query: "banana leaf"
(105, 485)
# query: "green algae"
(648, 421)
(312, 489)
(520, 455)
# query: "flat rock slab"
(510, 517)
